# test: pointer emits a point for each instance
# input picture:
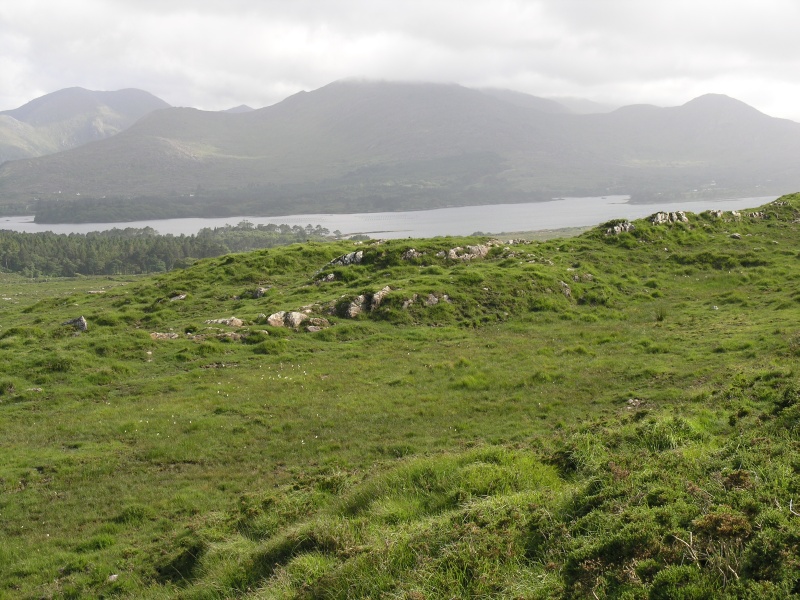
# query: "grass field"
(601, 416)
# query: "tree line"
(131, 251)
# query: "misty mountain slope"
(367, 145)
(528, 100)
(70, 118)
(343, 128)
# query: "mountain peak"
(720, 102)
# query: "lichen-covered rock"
(661, 218)
(164, 336)
(78, 323)
(351, 258)
(378, 297)
(409, 301)
(625, 227)
(276, 319)
(230, 322)
(470, 253)
(356, 307)
(294, 319)
(411, 254)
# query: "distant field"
(601, 415)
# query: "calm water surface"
(497, 218)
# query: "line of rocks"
(662, 218)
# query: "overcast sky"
(217, 54)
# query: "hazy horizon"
(214, 57)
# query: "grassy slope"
(636, 440)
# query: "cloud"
(214, 55)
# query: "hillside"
(616, 415)
(357, 146)
(69, 118)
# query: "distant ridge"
(242, 108)
(70, 118)
(355, 146)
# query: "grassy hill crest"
(612, 415)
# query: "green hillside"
(609, 416)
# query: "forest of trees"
(131, 251)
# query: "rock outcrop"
(662, 218)
(230, 322)
(294, 319)
(620, 228)
(468, 253)
(378, 297)
(78, 323)
(283, 318)
(412, 254)
(351, 258)
(356, 307)
(164, 336)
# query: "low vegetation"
(609, 416)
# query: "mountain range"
(356, 146)
(70, 118)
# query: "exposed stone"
(294, 319)
(230, 322)
(736, 236)
(378, 297)
(355, 307)
(96, 292)
(78, 323)
(164, 336)
(313, 328)
(411, 254)
(351, 258)
(470, 253)
(319, 322)
(178, 297)
(757, 215)
(229, 335)
(587, 277)
(276, 319)
(409, 301)
(620, 228)
(634, 403)
(565, 289)
(661, 218)
(431, 300)
(717, 213)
